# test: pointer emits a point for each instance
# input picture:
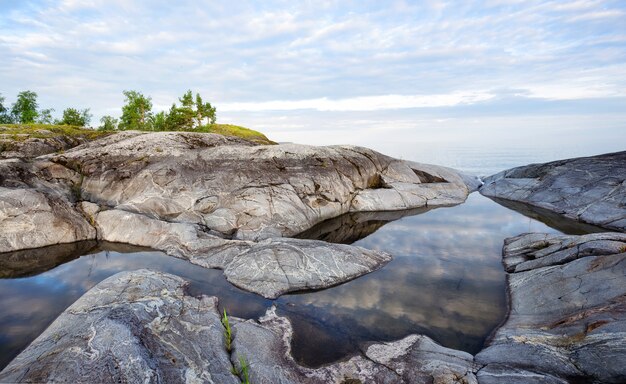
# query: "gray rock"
(586, 189)
(142, 327)
(567, 317)
(220, 202)
(30, 147)
(247, 191)
(37, 206)
(134, 327)
(265, 345)
(269, 268)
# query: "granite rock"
(567, 319)
(587, 189)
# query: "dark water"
(446, 281)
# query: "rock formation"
(220, 202)
(567, 315)
(587, 189)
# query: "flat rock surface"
(567, 319)
(587, 189)
(269, 268)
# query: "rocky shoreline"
(228, 203)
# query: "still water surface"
(446, 281)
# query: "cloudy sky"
(384, 74)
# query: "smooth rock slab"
(567, 317)
(269, 268)
(134, 327)
(587, 189)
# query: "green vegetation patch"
(21, 132)
(236, 131)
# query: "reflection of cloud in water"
(446, 280)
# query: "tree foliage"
(192, 113)
(73, 116)
(137, 112)
(5, 117)
(24, 110)
(108, 123)
(45, 116)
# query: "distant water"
(486, 161)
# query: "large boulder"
(269, 267)
(567, 316)
(252, 192)
(587, 189)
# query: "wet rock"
(587, 189)
(134, 327)
(567, 316)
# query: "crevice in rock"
(426, 178)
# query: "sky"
(397, 76)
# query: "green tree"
(109, 123)
(45, 116)
(191, 114)
(73, 116)
(159, 121)
(24, 110)
(137, 112)
(204, 111)
(5, 117)
(175, 119)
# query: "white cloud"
(363, 103)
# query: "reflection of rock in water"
(31, 262)
(551, 219)
(351, 227)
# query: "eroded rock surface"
(567, 318)
(141, 327)
(26, 146)
(247, 191)
(587, 189)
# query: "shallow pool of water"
(446, 281)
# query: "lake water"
(446, 279)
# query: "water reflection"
(29, 304)
(552, 219)
(445, 281)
